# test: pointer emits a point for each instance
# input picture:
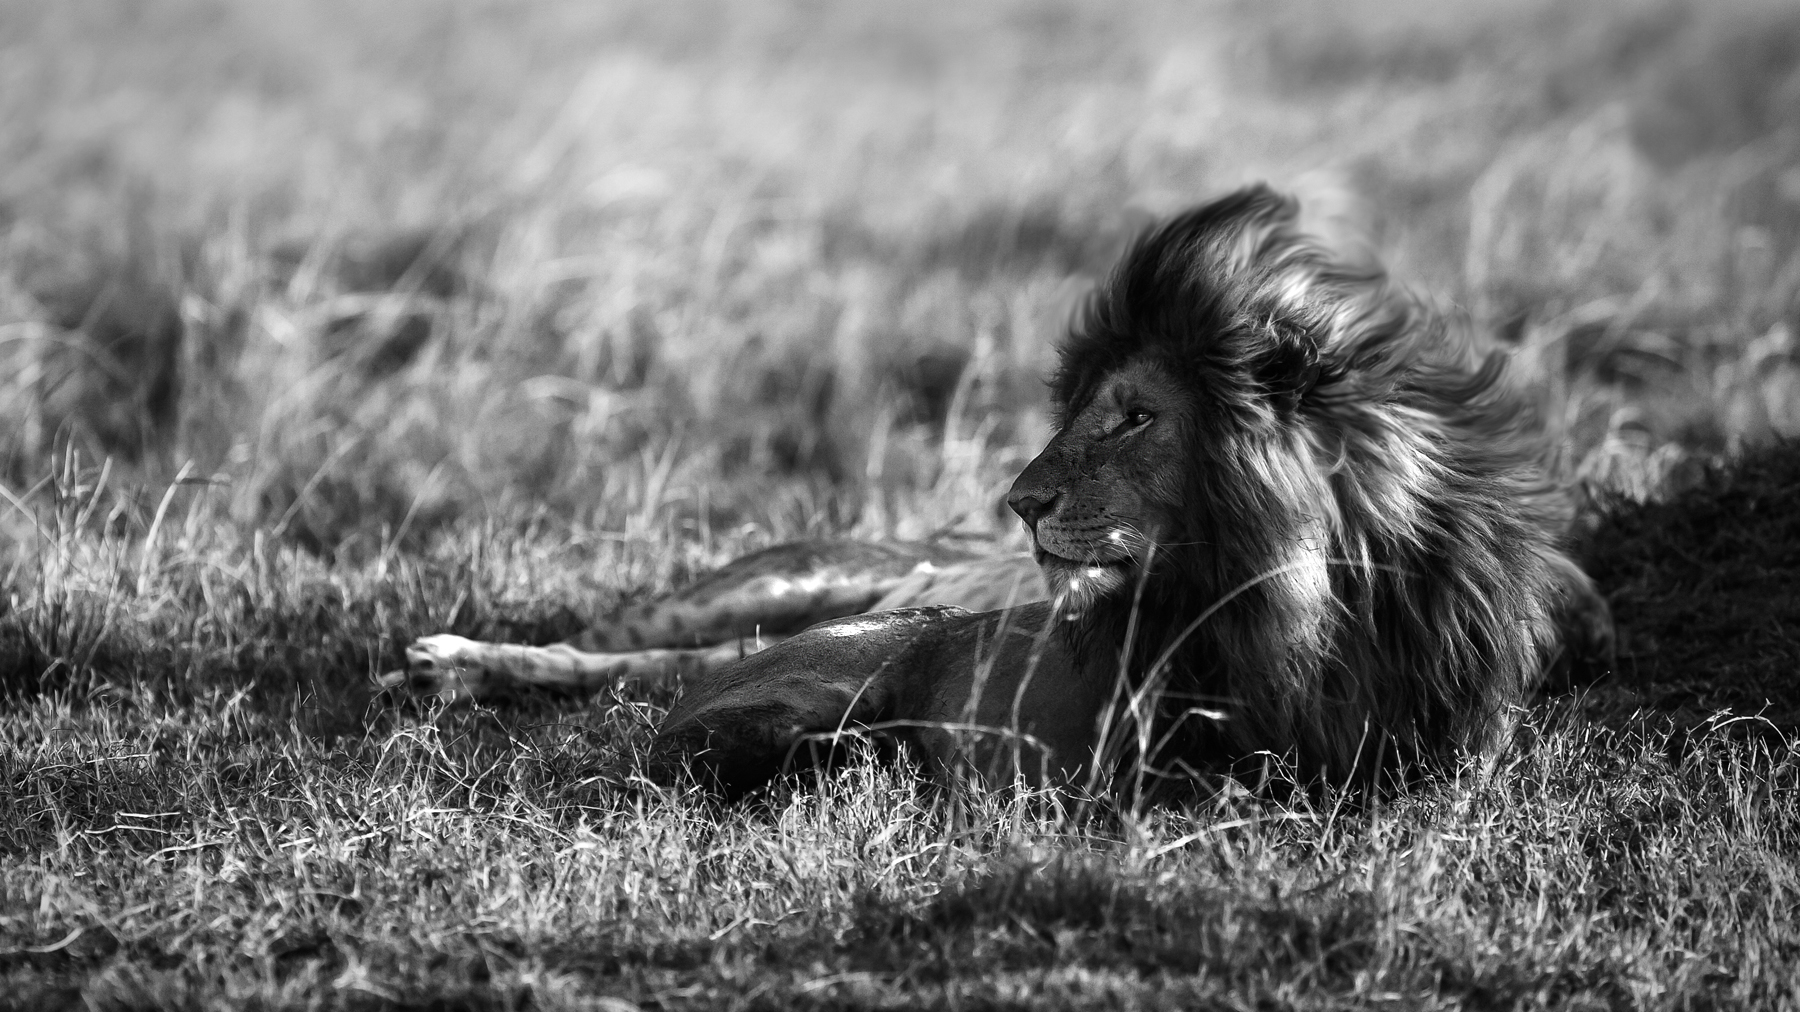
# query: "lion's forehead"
(1142, 376)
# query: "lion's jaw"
(1084, 563)
(1076, 587)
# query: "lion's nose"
(1030, 505)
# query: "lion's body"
(787, 587)
(752, 602)
(994, 692)
(1286, 515)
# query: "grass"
(329, 325)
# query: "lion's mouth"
(1082, 570)
(1077, 584)
(1104, 555)
(1085, 546)
(1045, 557)
(1084, 577)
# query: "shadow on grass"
(1706, 590)
(1075, 932)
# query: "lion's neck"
(1195, 637)
(1132, 644)
(1133, 633)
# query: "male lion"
(1286, 514)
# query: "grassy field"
(326, 325)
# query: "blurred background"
(356, 274)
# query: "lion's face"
(1107, 490)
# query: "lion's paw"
(448, 668)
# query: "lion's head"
(1285, 490)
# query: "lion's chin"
(1077, 586)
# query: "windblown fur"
(1357, 563)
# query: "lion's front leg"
(454, 669)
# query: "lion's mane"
(1362, 572)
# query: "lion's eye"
(1137, 418)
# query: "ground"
(328, 325)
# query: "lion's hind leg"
(781, 589)
(454, 669)
(736, 610)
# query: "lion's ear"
(1288, 365)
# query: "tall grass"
(383, 268)
(327, 325)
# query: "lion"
(1288, 516)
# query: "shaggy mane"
(1363, 521)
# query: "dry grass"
(327, 325)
